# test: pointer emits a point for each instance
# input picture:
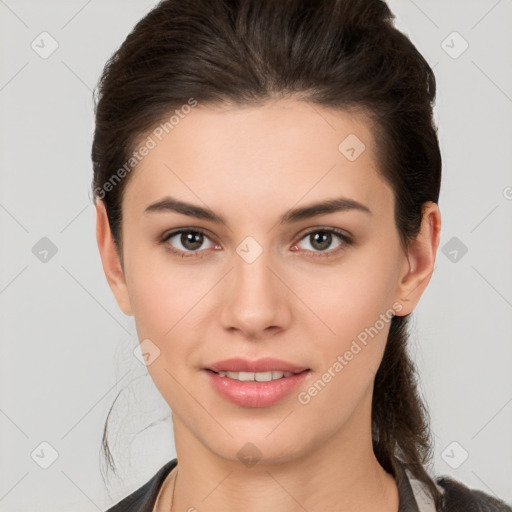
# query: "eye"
(190, 239)
(321, 239)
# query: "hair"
(341, 54)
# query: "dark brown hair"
(342, 54)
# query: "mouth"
(260, 383)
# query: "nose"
(255, 300)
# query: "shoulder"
(458, 497)
(454, 496)
(144, 498)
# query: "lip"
(267, 364)
(254, 393)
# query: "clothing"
(412, 498)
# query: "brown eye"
(320, 240)
(186, 241)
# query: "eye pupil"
(318, 244)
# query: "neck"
(341, 474)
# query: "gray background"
(66, 348)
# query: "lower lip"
(255, 394)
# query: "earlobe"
(421, 256)
(110, 259)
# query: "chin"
(257, 446)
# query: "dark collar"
(407, 501)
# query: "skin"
(251, 165)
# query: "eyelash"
(345, 239)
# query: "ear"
(110, 259)
(421, 257)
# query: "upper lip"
(267, 364)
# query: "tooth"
(245, 376)
(255, 376)
(263, 376)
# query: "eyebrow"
(170, 204)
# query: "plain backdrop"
(67, 349)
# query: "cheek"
(162, 293)
(357, 313)
(166, 300)
(355, 303)
(356, 298)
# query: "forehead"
(266, 156)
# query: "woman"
(266, 177)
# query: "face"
(269, 284)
